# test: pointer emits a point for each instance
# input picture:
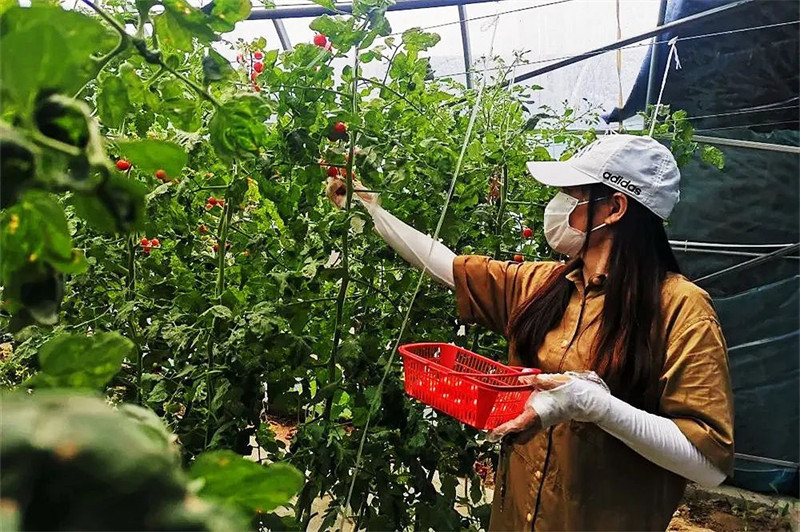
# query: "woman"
(618, 316)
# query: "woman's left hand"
(556, 398)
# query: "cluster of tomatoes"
(255, 67)
(124, 165)
(212, 202)
(255, 64)
(148, 245)
(527, 233)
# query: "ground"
(716, 515)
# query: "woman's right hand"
(336, 190)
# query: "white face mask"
(561, 236)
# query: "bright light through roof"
(548, 32)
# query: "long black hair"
(628, 352)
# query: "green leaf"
(243, 484)
(179, 23)
(341, 31)
(117, 206)
(46, 47)
(713, 156)
(417, 40)
(150, 155)
(171, 32)
(113, 104)
(17, 165)
(327, 4)
(135, 87)
(219, 311)
(33, 294)
(226, 13)
(216, 67)
(77, 361)
(239, 126)
(36, 230)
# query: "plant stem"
(501, 210)
(130, 295)
(342, 296)
(383, 86)
(54, 144)
(222, 239)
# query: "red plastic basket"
(473, 389)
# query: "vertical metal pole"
(462, 20)
(282, 35)
(651, 79)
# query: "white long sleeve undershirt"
(656, 438)
(419, 249)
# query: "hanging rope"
(448, 198)
(673, 52)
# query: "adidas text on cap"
(640, 167)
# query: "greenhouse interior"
(400, 265)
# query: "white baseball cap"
(639, 167)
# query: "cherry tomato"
(320, 40)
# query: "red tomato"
(258, 55)
(519, 258)
(333, 171)
(258, 67)
(339, 128)
(123, 165)
(145, 242)
(212, 201)
(161, 175)
(203, 229)
(215, 246)
(155, 243)
(527, 232)
(253, 75)
(320, 40)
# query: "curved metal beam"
(315, 11)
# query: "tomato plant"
(154, 190)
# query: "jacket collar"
(596, 282)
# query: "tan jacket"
(574, 476)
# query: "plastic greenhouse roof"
(546, 30)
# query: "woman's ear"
(618, 204)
